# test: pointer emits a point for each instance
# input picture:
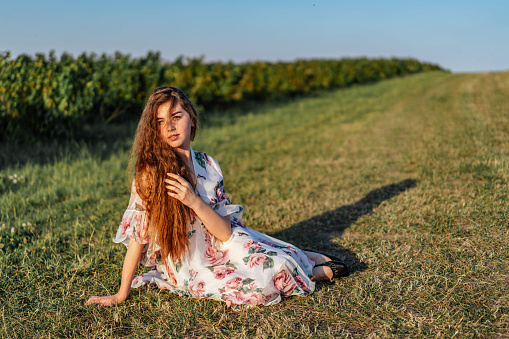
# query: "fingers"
(171, 183)
(177, 178)
(93, 300)
(177, 184)
(90, 301)
(177, 181)
(180, 194)
(103, 301)
(175, 188)
(180, 189)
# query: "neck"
(185, 154)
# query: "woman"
(180, 222)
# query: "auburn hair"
(168, 218)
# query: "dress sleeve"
(220, 202)
(134, 224)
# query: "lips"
(173, 137)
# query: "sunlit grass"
(405, 179)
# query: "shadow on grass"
(317, 232)
(97, 140)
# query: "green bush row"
(47, 97)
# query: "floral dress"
(250, 268)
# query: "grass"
(406, 179)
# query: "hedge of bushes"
(48, 97)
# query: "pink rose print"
(207, 236)
(220, 194)
(253, 243)
(172, 280)
(197, 288)
(269, 243)
(140, 232)
(302, 284)
(238, 298)
(138, 217)
(237, 223)
(233, 283)
(256, 259)
(219, 191)
(207, 158)
(253, 298)
(252, 286)
(222, 271)
(192, 272)
(126, 221)
(232, 299)
(284, 282)
(154, 258)
(216, 257)
(171, 276)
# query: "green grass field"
(406, 179)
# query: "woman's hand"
(132, 257)
(104, 301)
(180, 189)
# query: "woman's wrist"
(123, 293)
(121, 297)
(197, 204)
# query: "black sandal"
(338, 267)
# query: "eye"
(176, 117)
(160, 122)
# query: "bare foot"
(320, 272)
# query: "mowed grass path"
(406, 179)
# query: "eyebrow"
(171, 114)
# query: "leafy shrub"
(46, 98)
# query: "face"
(174, 126)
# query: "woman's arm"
(132, 258)
(179, 188)
(219, 226)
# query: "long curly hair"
(152, 158)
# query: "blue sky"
(462, 36)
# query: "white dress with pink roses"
(250, 268)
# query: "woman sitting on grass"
(180, 222)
